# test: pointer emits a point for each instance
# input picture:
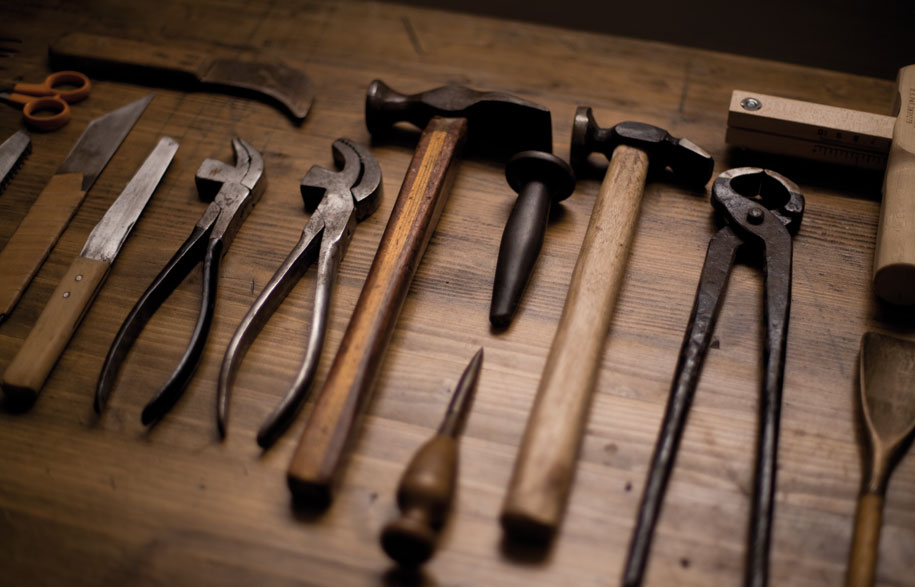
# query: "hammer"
(544, 468)
(447, 115)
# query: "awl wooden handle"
(31, 366)
(36, 235)
(894, 258)
(546, 462)
(89, 53)
(317, 459)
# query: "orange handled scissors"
(46, 98)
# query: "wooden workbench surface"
(87, 500)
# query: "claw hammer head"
(688, 162)
(359, 175)
(496, 121)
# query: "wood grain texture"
(548, 457)
(47, 339)
(318, 459)
(894, 259)
(96, 501)
(49, 215)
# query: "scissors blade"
(108, 236)
(12, 152)
(100, 140)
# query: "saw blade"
(13, 152)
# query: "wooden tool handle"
(58, 321)
(92, 53)
(546, 463)
(424, 496)
(36, 235)
(862, 559)
(316, 461)
(894, 258)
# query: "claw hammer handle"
(545, 465)
(317, 460)
(894, 258)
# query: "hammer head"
(686, 160)
(499, 121)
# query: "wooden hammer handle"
(316, 461)
(894, 258)
(546, 463)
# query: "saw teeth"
(19, 161)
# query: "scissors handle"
(51, 102)
(50, 86)
(55, 113)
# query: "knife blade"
(59, 200)
(162, 64)
(29, 369)
(12, 152)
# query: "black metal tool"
(339, 199)
(541, 180)
(760, 210)
(234, 190)
(427, 487)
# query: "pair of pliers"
(761, 210)
(339, 199)
(234, 190)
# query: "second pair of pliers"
(339, 199)
(760, 210)
(233, 190)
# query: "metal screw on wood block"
(750, 104)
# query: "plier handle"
(761, 210)
(233, 191)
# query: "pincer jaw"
(739, 188)
(248, 171)
(359, 174)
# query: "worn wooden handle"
(317, 459)
(862, 559)
(92, 53)
(36, 235)
(46, 341)
(424, 496)
(894, 258)
(546, 462)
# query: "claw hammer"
(447, 115)
(545, 465)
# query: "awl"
(59, 200)
(31, 366)
(12, 152)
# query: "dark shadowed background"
(873, 38)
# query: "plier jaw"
(746, 196)
(233, 190)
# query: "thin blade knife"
(12, 152)
(58, 201)
(31, 366)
